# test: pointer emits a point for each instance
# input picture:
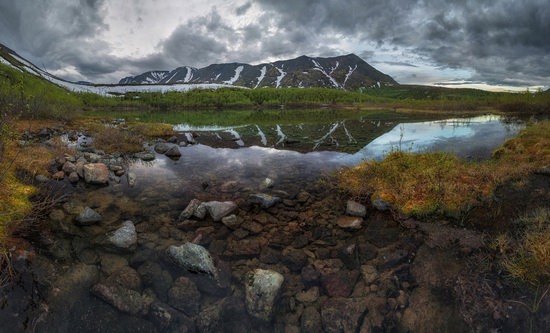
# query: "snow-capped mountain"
(347, 72)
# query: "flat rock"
(265, 200)
(219, 210)
(189, 210)
(125, 300)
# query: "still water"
(251, 153)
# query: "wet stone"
(264, 200)
(126, 277)
(161, 148)
(125, 300)
(294, 259)
(185, 296)
(189, 210)
(270, 256)
(262, 291)
(232, 222)
(96, 173)
(125, 237)
(88, 217)
(355, 209)
(219, 210)
(340, 284)
(342, 314)
(192, 257)
(309, 296)
(311, 320)
(349, 222)
(173, 152)
(369, 273)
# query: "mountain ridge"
(347, 72)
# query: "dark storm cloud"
(57, 33)
(500, 41)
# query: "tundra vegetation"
(425, 185)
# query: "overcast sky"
(485, 43)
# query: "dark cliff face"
(347, 72)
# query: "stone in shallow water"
(96, 173)
(355, 209)
(145, 156)
(265, 200)
(125, 237)
(343, 314)
(185, 296)
(350, 222)
(192, 257)
(161, 148)
(125, 300)
(88, 217)
(262, 290)
(173, 152)
(189, 210)
(219, 210)
(132, 179)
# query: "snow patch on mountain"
(351, 70)
(320, 68)
(263, 71)
(282, 74)
(189, 75)
(234, 79)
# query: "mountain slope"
(347, 72)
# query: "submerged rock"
(185, 296)
(125, 237)
(125, 300)
(189, 210)
(268, 183)
(265, 200)
(343, 314)
(350, 222)
(192, 257)
(262, 290)
(219, 210)
(132, 179)
(88, 217)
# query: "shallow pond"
(228, 163)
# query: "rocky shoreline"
(230, 260)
